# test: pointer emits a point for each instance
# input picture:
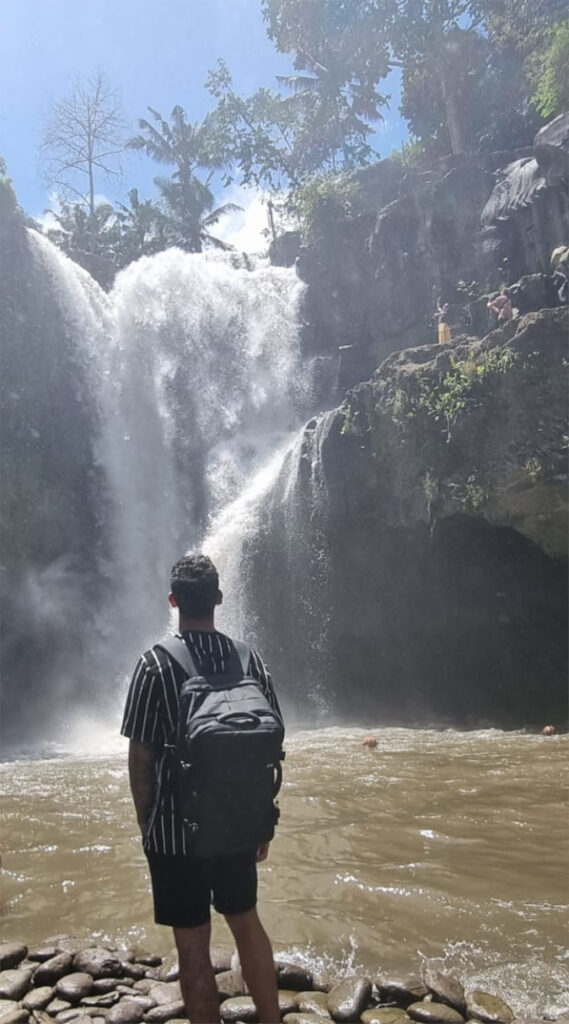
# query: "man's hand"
(262, 852)
(141, 760)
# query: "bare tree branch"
(85, 134)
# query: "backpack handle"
(249, 719)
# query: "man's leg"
(257, 964)
(197, 978)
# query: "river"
(446, 845)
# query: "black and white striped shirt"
(151, 716)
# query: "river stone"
(11, 954)
(74, 987)
(401, 990)
(170, 969)
(229, 984)
(292, 976)
(302, 1018)
(312, 1002)
(98, 962)
(241, 1008)
(50, 971)
(446, 988)
(77, 1017)
(102, 999)
(57, 1005)
(7, 1006)
(125, 986)
(147, 959)
(74, 1012)
(385, 1015)
(43, 953)
(144, 985)
(349, 999)
(133, 971)
(14, 983)
(145, 1001)
(220, 959)
(434, 1013)
(487, 1008)
(165, 992)
(38, 998)
(16, 1017)
(287, 1001)
(168, 1011)
(127, 1011)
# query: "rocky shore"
(66, 981)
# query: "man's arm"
(141, 773)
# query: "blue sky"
(157, 53)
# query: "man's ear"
(172, 600)
(219, 597)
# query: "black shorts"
(185, 887)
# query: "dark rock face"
(373, 279)
(432, 515)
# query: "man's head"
(194, 586)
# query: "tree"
(493, 95)
(187, 200)
(440, 45)
(189, 214)
(141, 229)
(341, 49)
(551, 95)
(83, 141)
(88, 237)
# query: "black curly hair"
(194, 583)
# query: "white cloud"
(244, 230)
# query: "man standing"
(184, 886)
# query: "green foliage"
(350, 427)
(460, 388)
(475, 494)
(533, 468)
(551, 96)
(342, 52)
(470, 290)
(431, 492)
(323, 200)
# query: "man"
(185, 886)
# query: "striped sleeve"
(259, 671)
(142, 713)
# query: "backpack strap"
(244, 653)
(178, 650)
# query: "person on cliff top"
(184, 886)
(443, 316)
(502, 307)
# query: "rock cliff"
(431, 584)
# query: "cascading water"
(195, 371)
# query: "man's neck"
(205, 625)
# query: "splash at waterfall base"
(64, 981)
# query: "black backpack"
(227, 753)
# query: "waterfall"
(194, 370)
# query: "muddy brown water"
(452, 846)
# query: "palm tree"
(187, 200)
(189, 213)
